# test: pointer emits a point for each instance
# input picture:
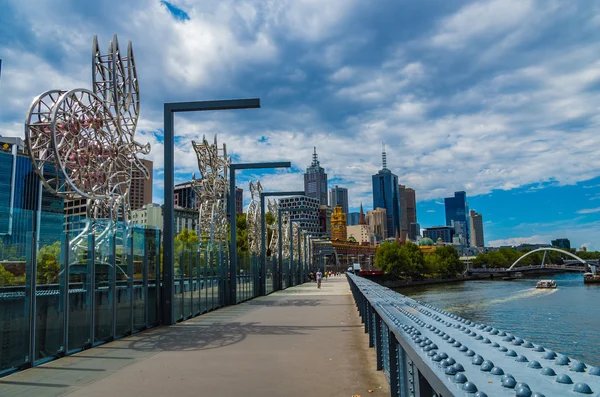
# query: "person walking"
(319, 278)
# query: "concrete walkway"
(298, 342)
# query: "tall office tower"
(239, 200)
(315, 181)
(476, 221)
(456, 213)
(404, 224)
(415, 231)
(339, 196)
(308, 217)
(140, 192)
(377, 221)
(338, 225)
(411, 206)
(185, 196)
(386, 195)
(353, 218)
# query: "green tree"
(6, 278)
(433, 263)
(450, 263)
(48, 264)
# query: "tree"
(48, 264)
(450, 263)
(6, 278)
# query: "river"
(566, 319)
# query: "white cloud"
(514, 241)
(588, 210)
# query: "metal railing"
(426, 351)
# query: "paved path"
(298, 342)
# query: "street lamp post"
(263, 225)
(169, 167)
(233, 239)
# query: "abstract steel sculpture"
(81, 142)
(212, 186)
(274, 242)
(253, 217)
(285, 237)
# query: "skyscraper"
(411, 206)
(476, 221)
(403, 214)
(456, 213)
(140, 192)
(386, 195)
(315, 181)
(339, 196)
(239, 200)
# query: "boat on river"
(546, 284)
(591, 278)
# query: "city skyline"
(499, 109)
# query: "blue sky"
(499, 98)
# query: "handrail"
(427, 351)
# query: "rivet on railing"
(582, 388)
(548, 371)
(564, 378)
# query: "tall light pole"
(169, 166)
(233, 239)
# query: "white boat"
(546, 284)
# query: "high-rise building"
(353, 218)
(186, 196)
(308, 216)
(444, 232)
(25, 202)
(456, 213)
(404, 224)
(415, 231)
(239, 200)
(562, 243)
(325, 212)
(338, 225)
(315, 181)
(386, 195)
(476, 224)
(140, 191)
(411, 206)
(339, 196)
(377, 221)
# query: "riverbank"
(387, 281)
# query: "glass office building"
(457, 213)
(386, 194)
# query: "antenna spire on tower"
(315, 157)
(383, 156)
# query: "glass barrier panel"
(14, 290)
(50, 287)
(152, 248)
(124, 278)
(79, 257)
(140, 279)
(106, 271)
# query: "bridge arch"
(548, 249)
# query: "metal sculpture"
(274, 242)
(285, 237)
(81, 142)
(211, 189)
(253, 217)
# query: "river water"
(565, 319)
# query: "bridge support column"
(367, 319)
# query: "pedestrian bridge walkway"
(301, 341)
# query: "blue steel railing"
(426, 351)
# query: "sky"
(498, 98)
